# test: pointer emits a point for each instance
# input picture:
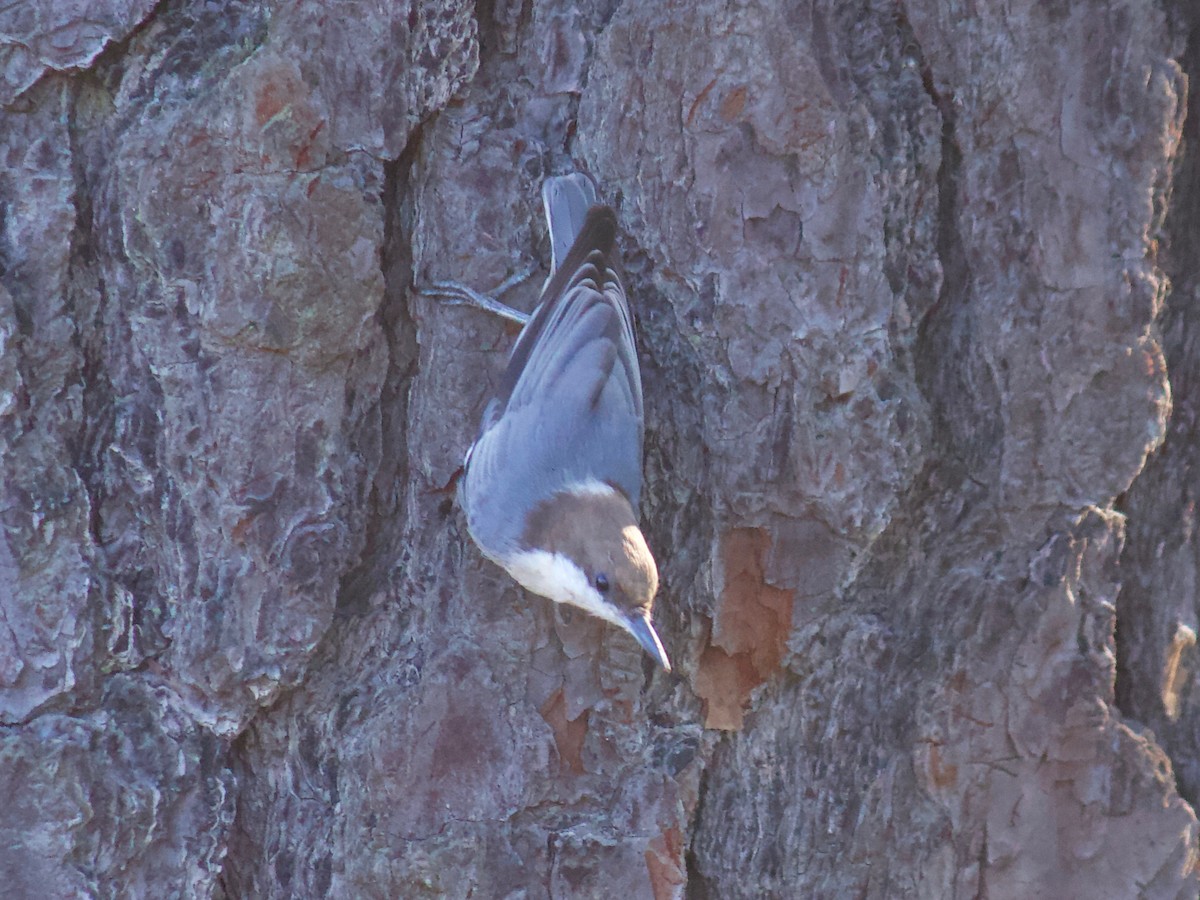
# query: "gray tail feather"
(566, 198)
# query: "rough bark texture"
(917, 293)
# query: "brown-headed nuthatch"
(551, 485)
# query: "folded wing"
(569, 409)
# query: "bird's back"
(569, 407)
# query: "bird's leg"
(461, 295)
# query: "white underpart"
(557, 577)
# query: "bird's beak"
(639, 626)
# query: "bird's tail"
(566, 198)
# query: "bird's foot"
(461, 295)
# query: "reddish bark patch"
(569, 734)
(724, 682)
(271, 98)
(466, 742)
(733, 103)
(941, 774)
(699, 99)
(750, 629)
(664, 860)
(283, 108)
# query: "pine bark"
(916, 286)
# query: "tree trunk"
(916, 290)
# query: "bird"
(551, 485)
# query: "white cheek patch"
(554, 576)
(590, 487)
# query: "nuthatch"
(551, 485)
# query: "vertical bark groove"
(908, 349)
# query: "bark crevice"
(386, 522)
(1158, 662)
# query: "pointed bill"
(639, 626)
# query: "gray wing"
(566, 200)
(570, 405)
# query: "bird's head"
(583, 547)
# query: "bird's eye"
(601, 582)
